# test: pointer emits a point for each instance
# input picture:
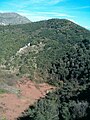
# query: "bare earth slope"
(12, 105)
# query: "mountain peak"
(12, 18)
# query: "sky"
(77, 11)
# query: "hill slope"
(12, 18)
(54, 51)
(36, 47)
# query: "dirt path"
(12, 105)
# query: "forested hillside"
(54, 51)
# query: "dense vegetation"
(71, 102)
(58, 53)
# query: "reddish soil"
(12, 105)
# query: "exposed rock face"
(12, 18)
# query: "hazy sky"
(75, 10)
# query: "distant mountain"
(12, 18)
